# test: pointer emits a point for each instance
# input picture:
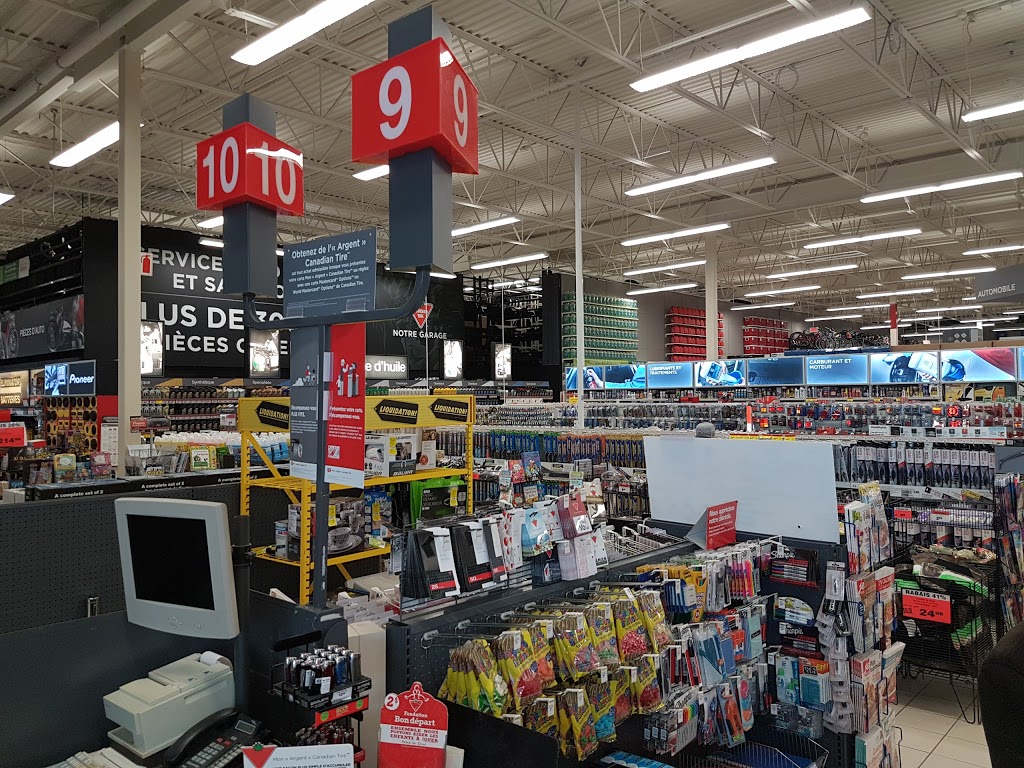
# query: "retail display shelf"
(288, 483)
(591, 335)
(189, 401)
(267, 553)
(930, 493)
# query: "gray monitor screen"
(171, 560)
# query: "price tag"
(902, 514)
(927, 606)
(12, 435)
(229, 420)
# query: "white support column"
(578, 206)
(894, 331)
(129, 248)
(711, 296)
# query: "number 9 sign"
(421, 98)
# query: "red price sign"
(246, 165)
(421, 314)
(927, 606)
(12, 435)
(901, 513)
(421, 98)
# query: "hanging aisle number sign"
(246, 165)
(421, 98)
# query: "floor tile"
(916, 738)
(941, 761)
(973, 733)
(942, 706)
(925, 721)
(965, 752)
(911, 758)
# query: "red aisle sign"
(722, 524)
(926, 606)
(413, 730)
(346, 406)
(418, 99)
(421, 315)
(12, 435)
(247, 165)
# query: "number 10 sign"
(421, 98)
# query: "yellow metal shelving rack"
(269, 414)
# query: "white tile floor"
(935, 733)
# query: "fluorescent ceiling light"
(287, 35)
(815, 271)
(5, 197)
(253, 18)
(831, 317)
(216, 221)
(784, 39)
(510, 260)
(862, 238)
(672, 235)
(993, 249)
(969, 298)
(88, 147)
(996, 111)
(532, 288)
(907, 292)
(679, 287)
(883, 326)
(763, 306)
(928, 318)
(468, 289)
(481, 226)
(862, 306)
(372, 173)
(972, 181)
(922, 334)
(508, 283)
(951, 309)
(279, 251)
(665, 267)
(442, 275)
(211, 242)
(693, 178)
(1014, 328)
(1018, 312)
(975, 324)
(783, 290)
(950, 273)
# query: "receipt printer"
(155, 711)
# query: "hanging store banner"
(263, 414)
(13, 387)
(346, 405)
(331, 274)
(45, 329)
(306, 388)
(1002, 285)
(413, 730)
(393, 412)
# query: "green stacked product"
(437, 498)
(610, 329)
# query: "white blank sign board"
(784, 488)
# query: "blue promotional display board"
(628, 376)
(329, 274)
(775, 371)
(837, 369)
(593, 378)
(982, 365)
(669, 375)
(720, 373)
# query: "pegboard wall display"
(59, 554)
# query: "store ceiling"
(874, 108)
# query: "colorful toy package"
(653, 614)
(518, 666)
(646, 688)
(541, 716)
(577, 734)
(629, 628)
(622, 690)
(473, 679)
(574, 645)
(602, 624)
(602, 702)
(542, 635)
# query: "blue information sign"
(775, 371)
(330, 274)
(837, 369)
(669, 375)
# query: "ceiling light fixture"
(211, 242)
(508, 283)
(693, 178)
(994, 249)
(88, 147)
(922, 334)
(5, 197)
(216, 221)
(969, 298)
(773, 291)
(372, 173)
(481, 226)
(832, 317)
(815, 271)
(292, 32)
(665, 267)
(279, 251)
(677, 287)
(996, 111)
(510, 260)
(861, 306)
(971, 181)
(1013, 328)
(672, 235)
(907, 292)
(883, 326)
(253, 18)
(951, 309)
(862, 238)
(950, 273)
(784, 39)
(762, 306)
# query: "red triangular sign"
(258, 755)
(421, 314)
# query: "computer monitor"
(176, 566)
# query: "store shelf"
(265, 553)
(191, 401)
(930, 493)
(426, 474)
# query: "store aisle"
(935, 733)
